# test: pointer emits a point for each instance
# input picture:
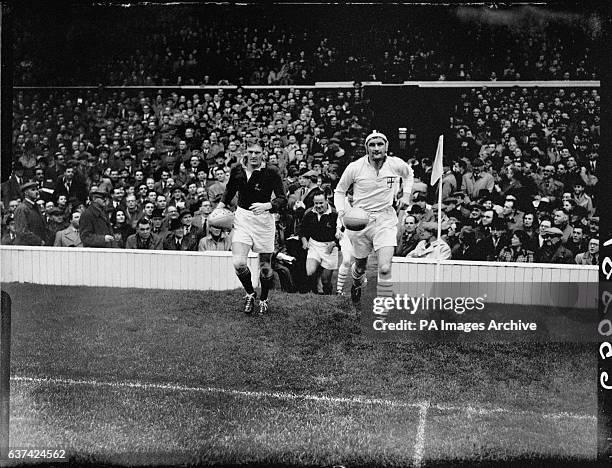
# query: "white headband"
(376, 134)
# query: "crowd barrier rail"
(508, 283)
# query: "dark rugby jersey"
(321, 230)
(259, 188)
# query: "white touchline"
(419, 446)
(297, 396)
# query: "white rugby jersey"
(374, 191)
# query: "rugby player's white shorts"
(346, 247)
(381, 231)
(254, 230)
(320, 251)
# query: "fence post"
(5, 373)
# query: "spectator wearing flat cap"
(192, 233)
(144, 239)
(159, 225)
(11, 189)
(476, 180)
(430, 246)
(553, 250)
(30, 225)
(95, 227)
(57, 222)
(10, 236)
(490, 245)
(467, 249)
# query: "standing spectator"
(95, 228)
(29, 223)
(490, 246)
(216, 240)
(69, 185)
(70, 237)
(591, 256)
(144, 239)
(516, 251)
(11, 189)
(217, 189)
(477, 180)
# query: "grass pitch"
(441, 404)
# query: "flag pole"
(440, 155)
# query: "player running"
(254, 225)
(375, 178)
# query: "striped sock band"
(342, 274)
(384, 288)
(357, 278)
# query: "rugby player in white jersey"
(375, 178)
(254, 225)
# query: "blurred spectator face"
(182, 145)
(593, 227)
(161, 202)
(130, 202)
(186, 219)
(508, 208)
(578, 189)
(567, 205)
(138, 177)
(191, 189)
(515, 241)
(571, 162)
(152, 196)
(594, 246)
(559, 218)
(201, 193)
(201, 176)
(165, 175)
(577, 234)
(120, 217)
(170, 183)
(114, 176)
(317, 167)
(302, 165)
(157, 222)
(409, 223)
(206, 207)
(144, 230)
(69, 173)
(49, 205)
(475, 213)
(194, 162)
(117, 194)
(273, 159)
(75, 218)
(551, 240)
(548, 172)
(487, 218)
(41, 206)
(39, 175)
(544, 225)
(172, 212)
(148, 209)
(13, 204)
(528, 220)
(566, 196)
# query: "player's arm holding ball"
(407, 175)
(340, 202)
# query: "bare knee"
(240, 263)
(385, 269)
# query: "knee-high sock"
(384, 288)
(342, 274)
(357, 278)
(244, 275)
(267, 283)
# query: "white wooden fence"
(508, 283)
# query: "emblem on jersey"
(390, 181)
(257, 187)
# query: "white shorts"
(381, 231)
(254, 230)
(320, 252)
(346, 247)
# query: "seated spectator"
(466, 249)
(553, 250)
(216, 240)
(577, 242)
(176, 239)
(121, 227)
(144, 239)
(10, 237)
(429, 246)
(408, 236)
(561, 221)
(56, 223)
(490, 246)
(591, 256)
(217, 189)
(192, 233)
(516, 251)
(70, 237)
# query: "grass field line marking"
(419, 446)
(298, 396)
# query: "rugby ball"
(221, 218)
(356, 219)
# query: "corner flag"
(436, 172)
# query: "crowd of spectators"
(145, 170)
(298, 44)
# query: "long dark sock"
(267, 283)
(244, 275)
